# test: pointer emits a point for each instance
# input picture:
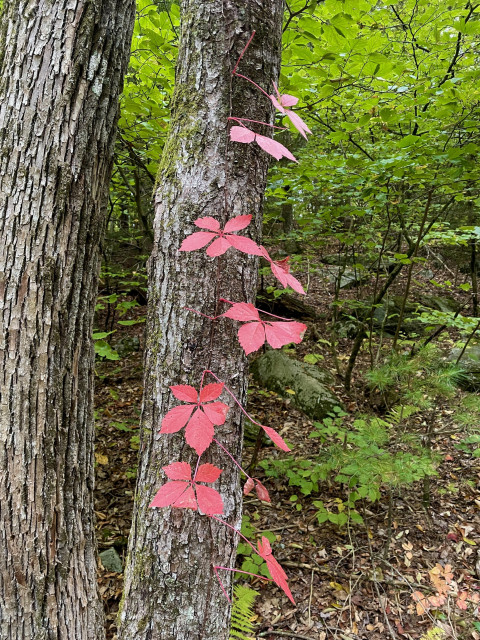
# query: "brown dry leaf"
(101, 459)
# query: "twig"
(286, 634)
(310, 600)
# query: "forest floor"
(359, 581)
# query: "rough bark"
(61, 71)
(170, 588)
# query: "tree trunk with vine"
(170, 588)
(61, 70)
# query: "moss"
(142, 624)
(185, 124)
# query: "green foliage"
(468, 418)
(417, 382)
(360, 459)
(102, 348)
(242, 627)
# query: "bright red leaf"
(281, 270)
(199, 432)
(185, 493)
(276, 438)
(248, 486)
(261, 491)
(253, 334)
(278, 574)
(271, 146)
(200, 423)
(210, 392)
(285, 100)
(185, 393)
(209, 500)
(178, 471)
(207, 473)
(223, 239)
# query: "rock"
(111, 560)
(310, 383)
(127, 345)
(349, 278)
(386, 317)
(470, 363)
(446, 304)
(388, 312)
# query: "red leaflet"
(178, 471)
(261, 491)
(185, 493)
(199, 430)
(285, 100)
(248, 486)
(253, 334)
(281, 270)
(278, 574)
(207, 473)
(276, 438)
(224, 239)
(274, 148)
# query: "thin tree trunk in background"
(61, 70)
(171, 591)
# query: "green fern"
(242, 627)
(402, 412)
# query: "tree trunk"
(61, 71)
(170, 588)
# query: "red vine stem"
(221, 585)
(261, 311)
(243, 53)
(236, 531)
(233, 396)
(231, 457)
(242, 120)
(201, 314)
(239, 75)
(248, 573)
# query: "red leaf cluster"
(260, 489)
(184, 493)
(199, 430)
(224, 238)
(285, 100)
(255, 331)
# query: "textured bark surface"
(170, 589)
(61, 70)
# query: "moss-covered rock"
(111, 560)
(470, 363)
(310, 383)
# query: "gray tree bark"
(61, 70)
(171, 591)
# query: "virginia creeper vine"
(202, 410)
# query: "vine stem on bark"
(61, 70)
(170, 586)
